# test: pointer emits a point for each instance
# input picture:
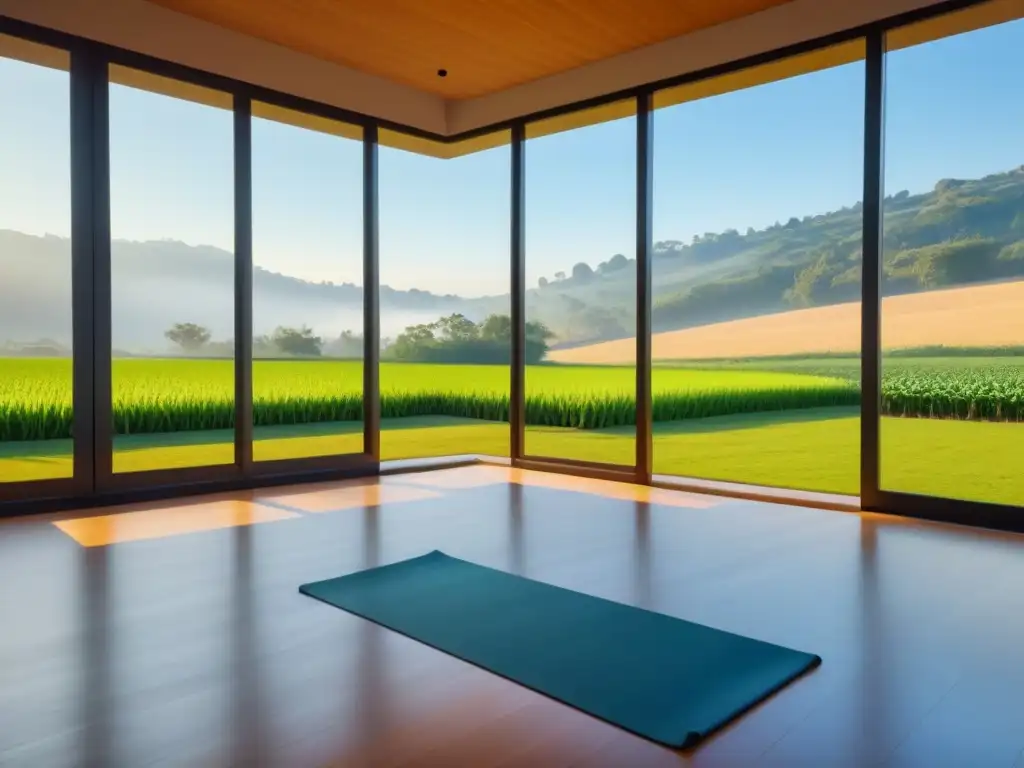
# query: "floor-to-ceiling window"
(756, 268)
(953, 260)
(35, 263)
(172, 273)
(756, 260)
(307, 315)
(580, 219)
(444, 297)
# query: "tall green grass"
(153, 396)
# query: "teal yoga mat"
(669, 680)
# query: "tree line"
(457, 339)
(451, 339)
(284, 341)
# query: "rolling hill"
(975, 316)
(961, 232)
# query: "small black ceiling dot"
(442, 73)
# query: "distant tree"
(953, 262)
(945, 185)
(538, 332)
(349, 344)
(617, 262)
(582, 272)
(669, 245)
(262, 346)
(221, 349)
(1013, 252)
(542, 282)
(602, 323)
(813, 280)
(412, 339)
(903, 194)
(456, 327)
(559, 275)
(300, 342)
(751, 232)
(488, 343)
(496, 328)
(189, 336)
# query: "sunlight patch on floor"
(122, 527)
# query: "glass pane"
(35, 263)
(444, 298)
(757, 275)
(953, 265)
(581, 286)
(172, 273)
(307, 278)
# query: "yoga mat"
(669, 680)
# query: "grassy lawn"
(400, 439)
(814, 449)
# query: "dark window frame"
(94, 483)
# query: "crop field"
(952, 428)
(163, 396)
(160, 396)
(973, 394)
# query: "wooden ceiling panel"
(485, 45)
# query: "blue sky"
(955, 108)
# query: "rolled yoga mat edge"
(625, 665)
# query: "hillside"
(976, 316)
(158, 283)
(959, 233)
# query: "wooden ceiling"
(485, 45)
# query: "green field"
(157, 396)
(790, 423)
(161, 396)
(817, 449)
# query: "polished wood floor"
(174, 634)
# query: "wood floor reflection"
(173, 634)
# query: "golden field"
(983, 315)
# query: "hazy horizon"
(742, 159)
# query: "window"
(172, 273)
(307, 285)
(953, 259)
(444, 297)
(580, 187)
(35, 263)
(756, 270)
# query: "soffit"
(486, 46)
